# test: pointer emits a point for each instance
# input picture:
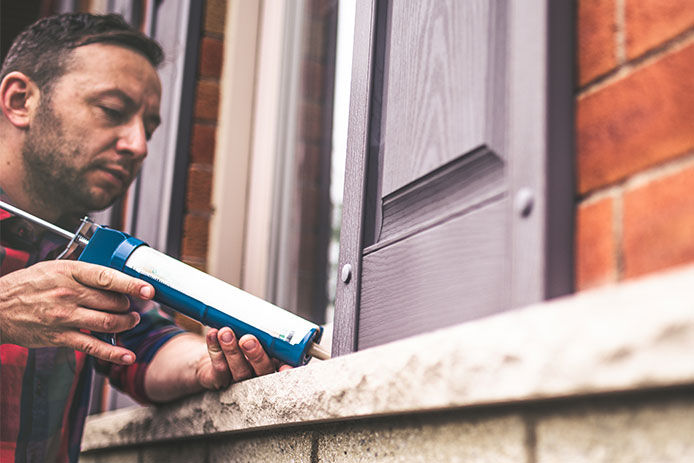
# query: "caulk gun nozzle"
(318, 352)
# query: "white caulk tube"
(212, 302)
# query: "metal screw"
(524, 201)
(346, 273)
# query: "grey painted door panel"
(440, 253)
(458, 185)
(455, 107)
(440, 76)
(448, 274)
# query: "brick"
(312, 170)
(652, 432)
(215, 16)
(314, 38)
(649, 23)
(596, 39)
(199, 264)
(311, 121)
(207, 100)
(199, 188)
(203, 143)
(211, 57)
(195, 236)
(659, 224)
(313, 80)
(595, 245)
(636, 122)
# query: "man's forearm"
(172, 372)
(187, 364)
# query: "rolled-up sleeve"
(144, 340)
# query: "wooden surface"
(440, 253)
(347, 293)
(460, 184)
(451, 273)
(436, 86)
(467, 116)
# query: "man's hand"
(232, 360)
(47, 304)
(185, 364)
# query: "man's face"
(89, 137)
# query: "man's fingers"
(238, 365)
(257, 357)
(220, 370)
(107, 301)
(95, 320)
(100, 277)
(96, 348)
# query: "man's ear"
(19, 98)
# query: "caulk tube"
(202, 297)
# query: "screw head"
(524, 201)
(346, 273)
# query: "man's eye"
(113, 114)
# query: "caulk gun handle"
(106, 337)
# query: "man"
(80, 97)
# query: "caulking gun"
(212, 302)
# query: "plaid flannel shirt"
(44, 392)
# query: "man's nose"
(133, 139)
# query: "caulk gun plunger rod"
(43, 223)
(318, 352)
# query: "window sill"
(632, 336)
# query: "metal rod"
(43, 223)
(318, 352)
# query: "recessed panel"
(461, 184)
(436, 85)
(453, 272)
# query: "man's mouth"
(116, 175)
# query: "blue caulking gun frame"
(212, 302)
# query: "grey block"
(181, 451)
(289, 447)
(649, 432)
(127, 455)
(426, 439)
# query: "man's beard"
(50, 177)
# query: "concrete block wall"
(634, 138)
(651, 427)
(655, 427)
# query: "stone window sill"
(632, 336)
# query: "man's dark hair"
(41, 51)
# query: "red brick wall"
(634, 138)
(198, 209)
(198, 204)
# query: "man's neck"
(23, 200)
(13, 177)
